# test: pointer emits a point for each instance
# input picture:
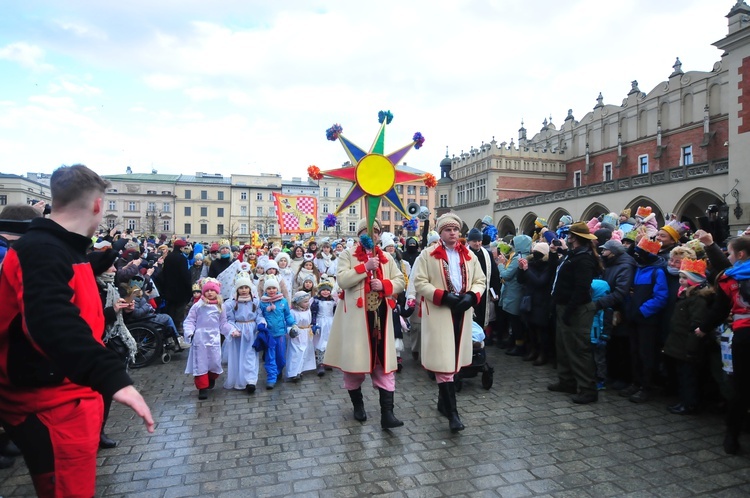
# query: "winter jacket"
(572, 284)
(512, 290)
(537, 284)
(618, 273)
(690, 310)
(278, 319)
(173, 281)
(650, 293)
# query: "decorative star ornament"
(373, 173)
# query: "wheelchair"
(153, 342)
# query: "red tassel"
(360, 302)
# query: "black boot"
(359, 404)
(449, 398)
(105, 442)
(441, 405)
(387, 419)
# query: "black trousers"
(739, 404)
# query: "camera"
(47, 207)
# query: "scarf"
(740, 270)
(464, 254)
(244, 299)
(268, 299)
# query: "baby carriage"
(478, 361)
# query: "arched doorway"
(644, 201)
(691, 208)
(527, 224)
(554, 218)
(593, 211)
(505, 227)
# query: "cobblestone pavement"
(301, 440)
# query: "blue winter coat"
(512, 290)
(650, 293)
(279, 319)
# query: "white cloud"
(81, 29)
(164, 81)
(27, 55)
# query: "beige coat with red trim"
(438, 350)
(348, 345)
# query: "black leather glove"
(450, 300)
(466, 302)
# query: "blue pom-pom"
(330, 221)
(411, 225)
(385, 116)
(366, 242)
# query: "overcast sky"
(241, 86)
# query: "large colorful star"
(373, 173)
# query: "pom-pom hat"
(211, 284)
(243, 279)
(325, 285)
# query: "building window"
(111, 223)
(167, 207)
(4, 200)
(204, 228)
(481, 189)
(204, 212)
(400, 189)
(423, 202)
(243, 228)
(152, 192)
(165, 225)
(243, 210)
(259, 211)
(460, 195)
(219, 212)
(112, 205)
(352, 209)
(338, 193)
(131, 206)
(259, 228)
(272, 211)
(411, 190)
(607, 172)
(443, 200)
(422, 190)
(132, 224)
(187, 229)
(577, 179)
(204, 194)
(259, 196)
(686, 157)
(642, 164)
(188, 211)
(243, 196)
(385, 216)
(219, 229)
(271, 229)
(325, 208)
(325, 192)
(220, 195)
(352, 226)
(151, 206)
(398, 216)
(188, 194)
(270, 196)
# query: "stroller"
(478, 361)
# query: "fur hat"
(474, 235)
(648, 245)
(272, 264)
(283, 255)
(270, 282)
(433, 236)
(694, 270)
(211, 284)
(487, 220)
(386, 240)
(580, 229)
(243, 279)
(362, 225)
(675, 229)
(450, 219)
(614, 246)
(325, 284)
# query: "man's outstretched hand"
(130, 396)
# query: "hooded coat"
(512, 291)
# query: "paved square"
(301, 440)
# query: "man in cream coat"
(450, 281)
(361, 339)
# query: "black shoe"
(211, 383)
(680, 409)
(105, 442)
(629, 391)
(387, 419)
(358, 404)
(640, 397)
(584, 398)
(6, 462)
(10, 449)
(731, 444)
(250, 388)
(202, 393)
(559, 387)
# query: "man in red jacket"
(54, 367)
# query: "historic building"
(203, 206)
(678, 148)
(253, 207)
(16, 189)
(141, 202)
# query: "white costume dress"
(300, 355)
(242, 360)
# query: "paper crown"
(650, 246)
(643, 211)
(308, 256)
(675, 229)
(697, 266)
(196, 287)
(540, 222)
(610, 219)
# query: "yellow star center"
(375, 174)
